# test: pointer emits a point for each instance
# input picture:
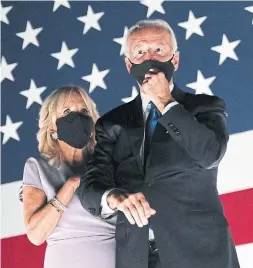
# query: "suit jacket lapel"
(135, 128)
(135, 123)
(178, 94)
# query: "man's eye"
(158, 50)
(66, 111)
(140, 52)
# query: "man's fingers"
(148, 75)
(153, 212)
(146, 207)
(136, 208)
(139, 208)
(127, 213)
(133, 211)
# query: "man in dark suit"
(155, 165)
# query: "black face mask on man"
(75, 129)
(139, 70)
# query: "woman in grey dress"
(52, 210)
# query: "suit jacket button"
(177, 133)
(149, 184)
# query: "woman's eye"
(84, 111)
(66, 111)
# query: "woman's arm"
(39, 216)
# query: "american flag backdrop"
(49, 44)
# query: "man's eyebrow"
(161, 42)
(138, 45)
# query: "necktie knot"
(154, 112)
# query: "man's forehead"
(149, 34)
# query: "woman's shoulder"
(40, 165)
(37, 160)
(41, 160)
(38, 172)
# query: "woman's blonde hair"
(48, 146)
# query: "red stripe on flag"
(238, 208)
(19, 252)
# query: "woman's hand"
(73, 182)
(68, 189)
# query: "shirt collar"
(145, 100)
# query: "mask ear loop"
(172, 56)
(130, 61)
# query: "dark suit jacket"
(179, 182)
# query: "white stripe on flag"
(245, 256)
(12, 210)
(236, 169)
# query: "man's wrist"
(166, 100)
(121, 194)
(112, 205)
(163, 103)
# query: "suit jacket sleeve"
(201, 131)
(99, 176)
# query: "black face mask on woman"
(139, 70)
(75, 129)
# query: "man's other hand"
(134, 206)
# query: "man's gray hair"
(150, 23)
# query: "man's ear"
(128, 64)
(175, 60)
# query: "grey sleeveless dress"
(79, 240)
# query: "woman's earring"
(55, 136)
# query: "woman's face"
(74, 103)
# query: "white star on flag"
(226, 49)
(201, 86)
(121, 41)
(58, 3)
(3, 13)
(6, 70)
(96, 78)
(250, 9)
(29, 36)
(65, 56)
(132, 97)
(33, 94)
(91, 20)
(10, 130)
(192, 25)
(153, 5)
